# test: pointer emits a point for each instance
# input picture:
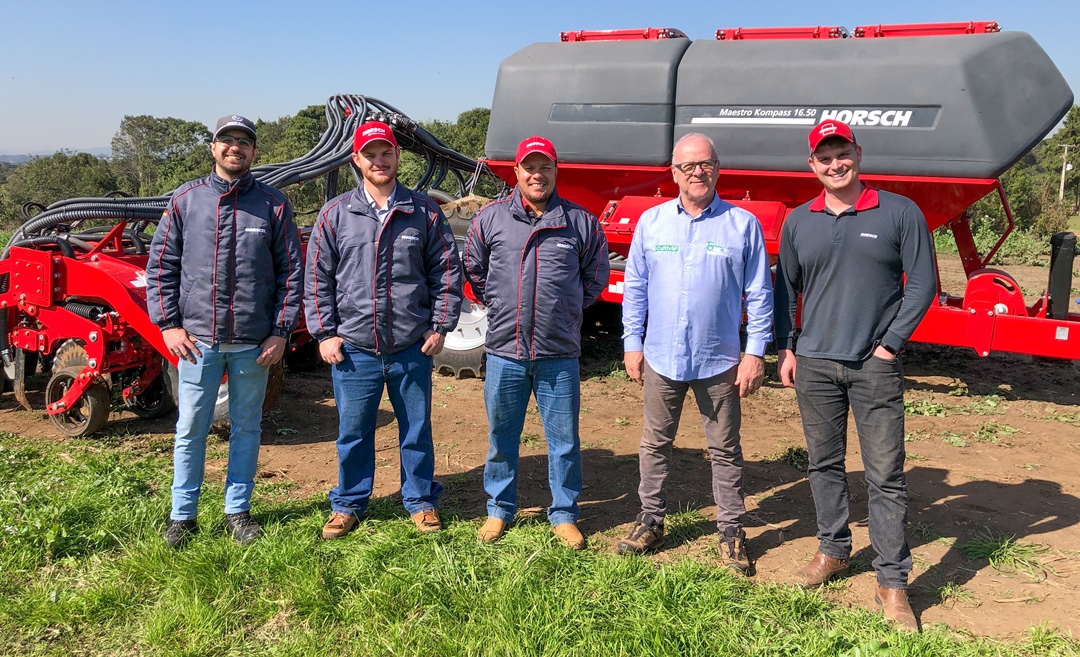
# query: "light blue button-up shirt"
(688, 277)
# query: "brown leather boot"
(894, 603)
(819, 571)
(569, 535)
(492, 530)
(427, 521)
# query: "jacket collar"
(554, 214)
(868, 200)
(223, 187)
(402, 201)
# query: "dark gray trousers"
(718, 401)
(874, 391)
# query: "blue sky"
(70, 71)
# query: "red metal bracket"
(769, 33)
(647, 34)
(925, 29)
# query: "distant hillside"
(101, 151)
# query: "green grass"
(1006, 555)
(795, 457)
(85, 571)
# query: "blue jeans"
(556, 382)
(197, 395)
(874, 390)
(358, 388)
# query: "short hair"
(694, 135)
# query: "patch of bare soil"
(993, 451)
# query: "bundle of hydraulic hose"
(58, 224)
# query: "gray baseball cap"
(234, 122)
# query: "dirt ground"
(994, 447)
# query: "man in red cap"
(863, 260)
(382, 289)
(536, 261)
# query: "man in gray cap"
(224, 286)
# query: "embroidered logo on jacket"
(261, 231)
(411, 238)
(564, 245)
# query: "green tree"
(1069, 134)
(54, 178)
(465, 135)
(153, 156)
(289, 138)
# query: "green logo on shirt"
(666, 247)
(715, 249)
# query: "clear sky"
(70, 71)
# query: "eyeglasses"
(707, 166)
(229, 140)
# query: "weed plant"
(1006, 555)
(85, 571)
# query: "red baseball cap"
(828, 129)
(535, 145)
(373, 131)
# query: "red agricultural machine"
(73, 283)
(941, 111)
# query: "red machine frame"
(990, 316)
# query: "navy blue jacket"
(381, 286)
(537, 278)
(225, 262)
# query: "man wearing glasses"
(224, 285)
(692, 262)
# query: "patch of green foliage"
(86, 572)
(796, 457)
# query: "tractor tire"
(220, 421)
(462, 355)
(468, 364)
(303, 358)
(7, 377)
(91, 411)
(154, 402)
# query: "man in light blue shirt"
(693, 261)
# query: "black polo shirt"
(850, 269)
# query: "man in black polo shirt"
(848, 252)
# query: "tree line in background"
(152, 156)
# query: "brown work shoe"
(819, 571)
(338, 525)
(570, 535)
(646, 535)
(733, 550)
(492, 530)
(894, 603)
(427, 521)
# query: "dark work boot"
(647, 534)
(179, 532)
(243, 529)
(733, 550)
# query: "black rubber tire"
(154, 402)
(303, 358)
(471, 363)
(7, 383)
(91, 413)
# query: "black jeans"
(874, 391)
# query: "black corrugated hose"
(344, 113)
